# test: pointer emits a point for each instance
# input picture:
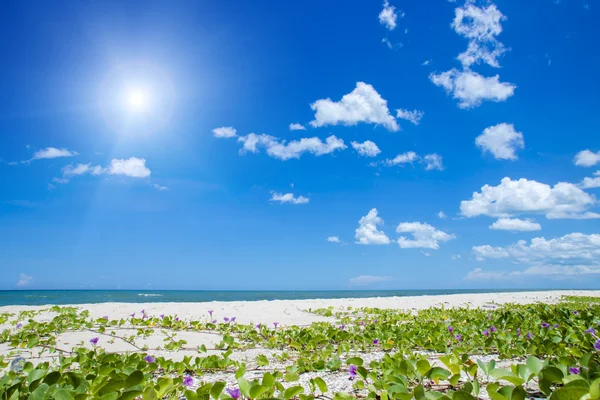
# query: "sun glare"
(137, 100)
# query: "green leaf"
(268, 379)
(534, 364)
(355, 361)
(552, 374)
(63, 394)
(568, 393)
(321, 384)
(437, 373)
(292, 392)
(216, 389)
(134, 378)
(35, 375)
(487, 367)
(257, 390)
(595, 389)
(189, 395)
(130, 395)
(423, 366)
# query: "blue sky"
(299, 145)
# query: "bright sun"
(137, 100)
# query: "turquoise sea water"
(43, 297)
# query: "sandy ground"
(284, 312)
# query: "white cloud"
(412, 116)
(586, 158)
(297, 127)
(24, 280)
(333, 239)
(558, 270)
(501, 140)
(367, 232)
(433, 161)
(160, 188)
(471, 89)
(133, 167)
(456, 257)
(479, 274)
(426, 62)
(225, 132)
(363, 104)
(563, 200)
(590, 183)
(573, 248)
(388, 16)
(515, 224)
(71, 170)
(367, 148)
(283, 150)
(442, 215)
(289, 198)
(52, 152)
(364, 280)
(404, 158)
(424, 236)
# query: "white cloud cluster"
(333, 239)
(289, 198)
(471, 88)
(364, 280)
(225, 132)
(367, 148)
(160, 188)
(501, 140)
(424, 236)
(480, 25)
(24, 280)
(363, 104)
(590, 183)
(388, 16)
(432, 161)
(442, 215)
(479, 274)
(367, 232)
(297, 127)
(53, 152)
(586, 158)
(563, 200)
(411, 116)
(515, 224)
(572, 254)
(283, 150)
(132, 167)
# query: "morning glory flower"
(210, 312)
(575, 370)
(19, 325)
(232, 319)
(342, 326)
(518, 332)
(597, 345)
(144, 311)
(275, 323)
(375, 341)
(226, 319)
(149, 359)
(94, 341)
(162, 316)
(545, 325)
(529, 335)
(258, 326)
(214, 321)
(589, 330)
(234, 393)
(486, 333)
(362, 322)
(176, 318)
(493, 328)
(188, 381)
(450, 329)
(575, 312)
(556, 325)
(352, 371)
(132, 315)
(458, 337)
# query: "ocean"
(45, 297)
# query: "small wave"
(150, 294)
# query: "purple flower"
(210, 312)
(589, 330)
(162, 316)
(232, 319)
(342, 326)
(545, 325)
(529, 335)
(458, 337)
(132, 315)
(94, 341)
(575, 312)
(556, 325)
(375, 341)
(226, 319)
(352, 371)
(518, 332)
(362, 323)
(234, 393)
(188, 381)
(105, 317)
(597, 345)
(176, 318)
(450, 329)
(493, 329)
(258, 326)
(144, 311)
(486, 333)
(19, 325)
(275, 323)
(214, 321)
(149, 359)
(575, 370)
